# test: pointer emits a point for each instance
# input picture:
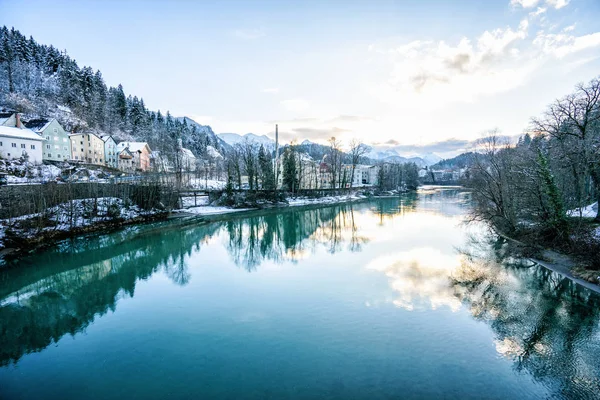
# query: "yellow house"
(87, 148)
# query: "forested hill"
(41, 81)
(460, 161)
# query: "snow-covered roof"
(188, 153)
(133, 146)
(106, 137)
(17, 133)
(38, 125)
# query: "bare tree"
(335, 161)
(357, 151)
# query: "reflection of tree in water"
(546, 324)
(40, 304)
(62, 291)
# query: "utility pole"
(276, 155)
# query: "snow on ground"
(75, 214)
(207, 184)
(587, 212)
(203, 208)
(302, 201)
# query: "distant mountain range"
(374, 154)
(235, 138)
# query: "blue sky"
(413, 75)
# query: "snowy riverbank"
(203, 208)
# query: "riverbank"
(29, 233)
(560, 263)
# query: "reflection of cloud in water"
(422, 273)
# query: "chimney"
(18, 118)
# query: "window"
(64, 139)
(0, 143)
(89, 151)
(14, 144)
(22, 145)
(47, 137)
(47, 146)
(49, 155)
(58, 155)
(32, 146)
(81, 142)
(56, 147)
(65, 148)
(56, 139)
(8, 154)
(55, 130)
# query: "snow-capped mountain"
(392, 155)
(234, 138)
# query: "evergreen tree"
(290, 174)
(266, 169)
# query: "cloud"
(273, 90)
(452, 145)
(295, 105)
(557, 4)
(348, 118)
(563, 44)
(315, 134)
(434, 74)
(249, 34)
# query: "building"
(16, 143)
(110, 151)
(140, 152)
(188, 160)
(87, 148)
(125, 160)
(57, 146)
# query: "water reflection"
(545, 325)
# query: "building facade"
(57, 146)
(16, 143)
(111, 156)
(140, 152)
(87, 148)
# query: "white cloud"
(557, 3)
(524, 3)
(562, 44)
(273, 90)
(249, 34)
(295, 105)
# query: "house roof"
(125, 153)
(17, 133)
(188, 153)
(106, 137)
(133, 146)
(38, 125)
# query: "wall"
(9, 152)
(57, 146)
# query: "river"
(390, 298)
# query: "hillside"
(41, 81)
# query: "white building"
(16, 143)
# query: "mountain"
(234, 138)
(200, 137)
(431, 158)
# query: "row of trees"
(555, 167)
(298, 170)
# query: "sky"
(415, 76)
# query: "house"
(140, 152)
(57, 146)
(126, 160)
(159, 162)
(110, 151)
(188, 160)
(16, 143)
(87, 148)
